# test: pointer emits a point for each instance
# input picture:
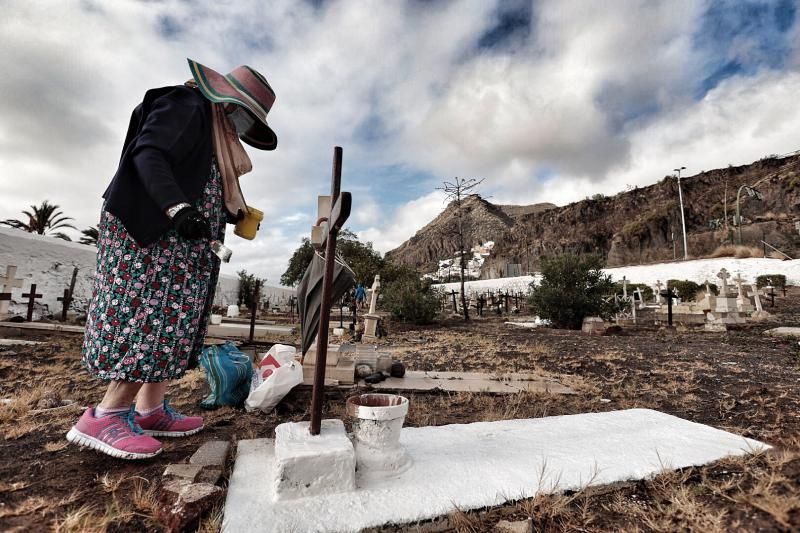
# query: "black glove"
(190, 224)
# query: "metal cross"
(324, 234)
(31, 296)
(65, 301)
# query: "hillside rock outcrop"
(637, 226)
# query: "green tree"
(90, 236)
(361, 257)
(247, 286)
(43, 219)
(298, 264)
(572, 287)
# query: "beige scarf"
(232, 160)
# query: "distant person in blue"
(361, 296)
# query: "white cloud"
(404, 222)
(601, 95)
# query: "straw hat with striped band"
(244, 87)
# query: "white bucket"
(376, 431)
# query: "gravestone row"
(9, 281)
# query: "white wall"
(49, 262)
(698, 270)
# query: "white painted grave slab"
(477, 465)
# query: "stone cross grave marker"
(624, 287)
(739, 280)
(373, 297)
(657, 292)
(742, 300)
(723, 275)
(756, 298)
(8, 282)
(31, 296)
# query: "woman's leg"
(158, 419)
(119, 394)
(151, 396)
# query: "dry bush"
(82, 519)
(732, 250)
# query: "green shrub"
(776, 280)
(411, 300)
(572, 287)
(686, 289)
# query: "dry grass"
(211, 522)
(732, 250)
(56, 445)
(83, 519)
(29, 506)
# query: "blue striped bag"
(228, 372)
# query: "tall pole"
(683, 220)
(738, 215)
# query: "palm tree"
(42, 219)
(90, 235)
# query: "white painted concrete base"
(306, 465)
(478, 465)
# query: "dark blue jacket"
(166, 160)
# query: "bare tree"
(455, 192)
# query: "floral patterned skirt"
(149, 311)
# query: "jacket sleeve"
(171, 128)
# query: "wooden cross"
(669, 294)
(31, 296)
(333, 213)
(254, 309)
(65, 301)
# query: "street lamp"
(683, 220)
(751, 192)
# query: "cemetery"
(506, 420)
(549, 280)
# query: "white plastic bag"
(276, 375)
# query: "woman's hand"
(190, 224)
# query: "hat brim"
(221, 89)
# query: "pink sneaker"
(166, 422)
(116, 435)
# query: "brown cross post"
(340, 203)
(254, 309)
(65, 301)
(31, 296)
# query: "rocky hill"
(637, 226)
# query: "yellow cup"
(248, 226)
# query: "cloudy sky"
(547, 100)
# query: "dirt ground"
(739, 381)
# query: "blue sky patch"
(741, 37)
